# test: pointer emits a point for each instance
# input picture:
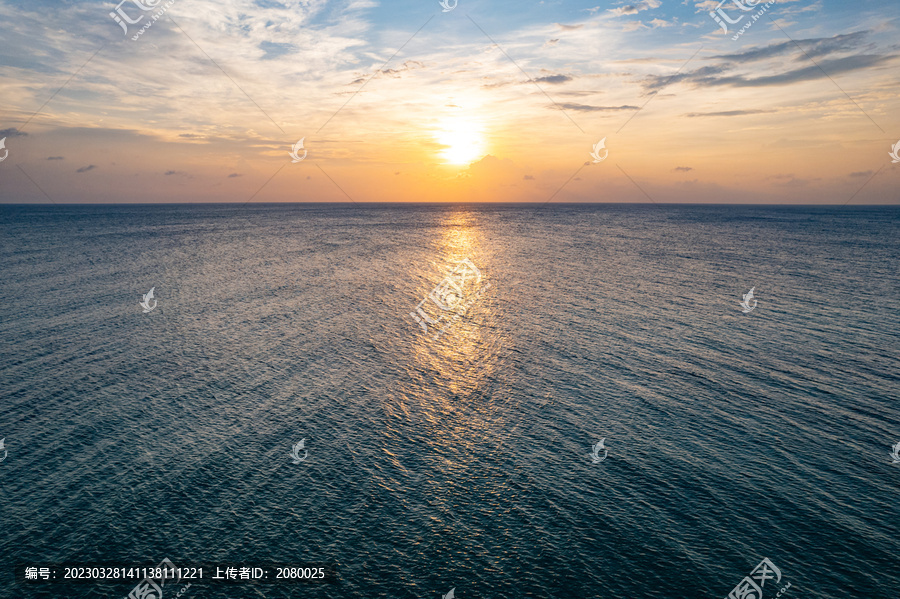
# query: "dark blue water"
(461, 462)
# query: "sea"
(451, 401)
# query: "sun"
(463, 140)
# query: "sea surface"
(462, 462)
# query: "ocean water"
(461, 462)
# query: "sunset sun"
(463, 141)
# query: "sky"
(470, 101)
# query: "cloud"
(812, 47)
(409, 65)
(554, 79)
(569, 27)
(684, 169)
(655, 82)
(862, 174)
(727, 113)
(85, 169)
(586, 108)
(705, 5)
(528, 178)
(795, 183)
(633, 9)
(12, 132)
(710, 5)
(790, 180)
(169, 173)
(709, 76)
(233, 175)
(55, 158)
(633, 26)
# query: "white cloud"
(633, 9)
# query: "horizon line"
(345, 203)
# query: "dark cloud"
(395, 73)
(831, 67)
(55, 158)
(789, 180)
(794, 183)
(684, 169)
(727, 113)
(587, 108)
(553, 79)
(706, 73)
(87, 168)
(406, 66)
(569, 27)
(709, 76)
(12, 132)
(190, 135)
(233, 175)
(528, 178)
(812, 47)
